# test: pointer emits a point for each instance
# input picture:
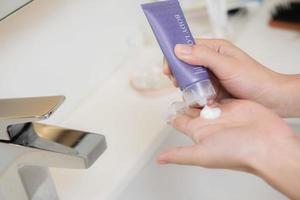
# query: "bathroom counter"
(132, 125)
(71, 48)
(61, 47)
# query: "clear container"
(199, 94)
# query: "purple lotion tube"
(170, 28)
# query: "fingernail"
(160, 161)
(183, 49)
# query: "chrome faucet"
(28, 148)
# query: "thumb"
(221, 65)
(180, 155)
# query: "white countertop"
(65, 47)
(80, 49)
(84, 50)
(132, 125)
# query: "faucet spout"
(63, 147)
(28, 148)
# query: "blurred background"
(103, 57)
(71, 47)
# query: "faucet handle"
(24, 110)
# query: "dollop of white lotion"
(210, 113)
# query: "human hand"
(247, 137)
(239, 139)
(237, 74)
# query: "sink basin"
(194, 183)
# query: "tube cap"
(199, 93)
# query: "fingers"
(219, 45)
(166, 69)
(223, 47)
(192, 112)
(192, 125)
(181, 122)
(220, 65)
(217, 55)
(180, 155)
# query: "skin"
(237, 75)
(249, 136)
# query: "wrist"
(273, 97)
(288, 87)
(279, 165)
